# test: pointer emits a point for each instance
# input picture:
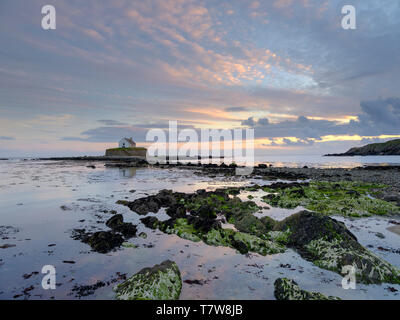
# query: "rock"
(117, 224)
(105, 241)
(115, 221)
(346, 198)
(330, 245)
(129, 245)
(176, 211)
(143, 235)
(6, 231)
(287, 289)
(101, 241)
(86, 290)
(28, 275)
(380, 235)
(7, 245)
(306, 226)
(238, 245)
(143, 206)
(160, 282)
(199, 282)
(268, 222)
(392, 198)
(150, 222)
(200, 219)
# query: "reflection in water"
(127, 172)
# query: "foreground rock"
(287, 289)
(330, 245)
(216, 236)
(101, 241)
(117, 224)
(106, 241)
(198, 216)
(317, 237)
(160, 282)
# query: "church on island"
(127, 143)
(127, 148)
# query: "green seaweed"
(345, 198)
(287, 289)
(161, 282)
(335, 254)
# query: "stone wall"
(127, 152)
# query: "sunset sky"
(119, 68)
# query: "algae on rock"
(161, 282)
(331, 198)
(330, 245)
(287, 289)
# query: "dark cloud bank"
(377, 117)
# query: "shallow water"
(46, 200)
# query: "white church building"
(127, 143)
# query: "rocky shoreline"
(223, 218)
(201, 216)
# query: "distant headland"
(389, 148)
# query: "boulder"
(160, 282)
(287, 289)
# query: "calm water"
(298, 161)
(328, 162)
(31, 196)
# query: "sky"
(119, 68)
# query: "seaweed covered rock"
(287, 289)
(216, 236)
(330, 245)
(101, 241)
(306, 226)
(160, 282)
(153, 203)
(117, 224)
(331, 198)
(202, 209)
(106, 241)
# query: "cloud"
(6, 138)
(250, 122)
(263, 122)
(140, 63)
(377, 117)
(235, 109)
(298, 143)
(112, 122)
(381, 116)
(110, 134)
